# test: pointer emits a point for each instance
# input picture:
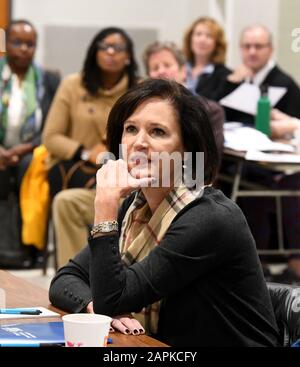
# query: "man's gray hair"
(159, 46)
(258, 26)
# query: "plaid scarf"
(141, 232)
(33, 91)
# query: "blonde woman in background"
(205, 51)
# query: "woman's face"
(153, 129)
(163, 64)
(112, 55)
(202, 41)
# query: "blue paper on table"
(32, 334)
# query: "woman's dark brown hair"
(192, 117)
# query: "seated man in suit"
(26, 92)
(258, 67)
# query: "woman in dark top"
(205, 51)
(188, 259)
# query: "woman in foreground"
(187, 257)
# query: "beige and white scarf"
(141, 231)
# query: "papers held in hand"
(245, 97)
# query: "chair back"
(286, 304)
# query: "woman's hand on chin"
(114, 181)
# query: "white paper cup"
(86, 330)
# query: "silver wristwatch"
(105, 227)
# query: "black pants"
(11, 178)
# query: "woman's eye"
(158, 132)
(130, 129)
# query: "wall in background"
(289, 20)
(166, 19)
(161, 19)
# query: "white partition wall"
(157, 19)
(288, 54)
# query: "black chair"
(286, 303)
(49, 252)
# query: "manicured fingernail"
(127, 331)
(141, 331)
(135, 331)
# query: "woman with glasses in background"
(75, 127)
(75, 132)
(205, 50)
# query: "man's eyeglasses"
(18, 44)
(257, 46)
(115, 47)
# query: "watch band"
(105, 227)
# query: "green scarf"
(32, 90)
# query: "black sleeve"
(70, 288)
(190, 249)
(289, 103)
(51, 82)
(227, 88)
(77, 154)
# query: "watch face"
(105, 227)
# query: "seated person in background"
(26, 92)
(205, 51)
(162, 60)
(166, 60)
(258, 67)
(76, 128)
(283, 126)
(187, 254)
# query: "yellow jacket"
(35, 199)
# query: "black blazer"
(211, 85)
(51, 81)
(289, 103)
(208, 275)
